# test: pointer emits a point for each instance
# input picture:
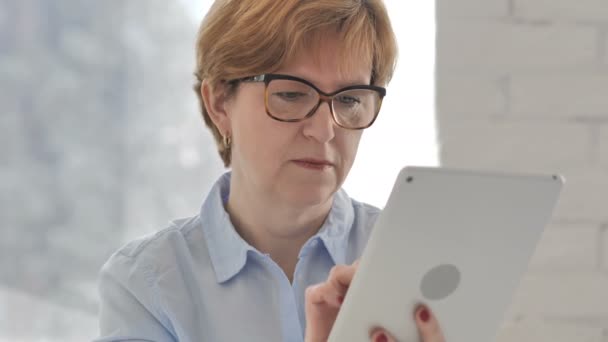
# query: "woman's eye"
(348, 100)
(290, 95)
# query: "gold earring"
(227, 141)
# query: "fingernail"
(382, 338)
(340, 299)
(425, 316)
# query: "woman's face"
(267, 154)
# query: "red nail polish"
(382, 338)
(340, 299)
(425, 316)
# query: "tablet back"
(458, 241)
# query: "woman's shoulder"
(152, 251)
(159, 239)
(133, 281)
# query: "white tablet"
(458, 241)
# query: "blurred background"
(102, 141)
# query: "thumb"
(428, 326)
(381, 335)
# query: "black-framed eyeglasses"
(292, 99)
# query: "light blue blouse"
(199, 281)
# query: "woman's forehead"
(329, 55)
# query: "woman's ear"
(214, 99)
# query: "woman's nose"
(321, 125)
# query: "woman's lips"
(313, 164)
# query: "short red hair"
(239, 38)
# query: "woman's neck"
(274, 227)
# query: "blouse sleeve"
(127, 310)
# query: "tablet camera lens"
(440, 282)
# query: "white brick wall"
(585, 195)
(558, 10)
(512, 144)
(505, 46)
(561, 295)
(560, 95)
(603, 146)
(604, 251)
(523, 85)
(604, 52)
(472, 8)
(465, 96)
(556, 252)
(534, 330)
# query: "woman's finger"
(381, 335)
(334, 289)
(323, 294)
(323, 301)
(340, 277)
(428, 326)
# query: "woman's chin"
(309, 196)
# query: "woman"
(286, 88)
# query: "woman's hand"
(323, 302)
(428, 328)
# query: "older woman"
(286, 88)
